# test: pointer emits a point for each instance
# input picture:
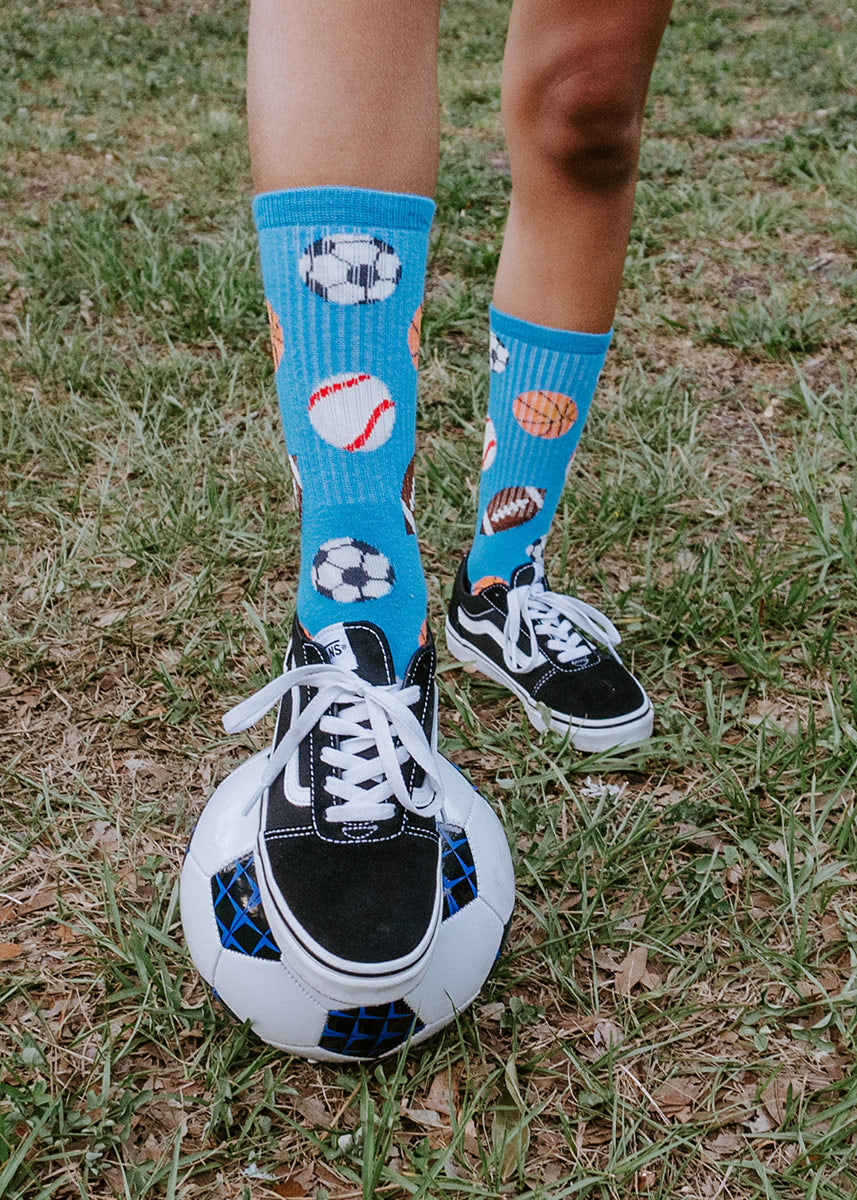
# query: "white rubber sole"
(589, 736)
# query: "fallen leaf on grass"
(41, 899)
(677, 1097)
(509, 1135)
(607, 1034)
(426, 1118)
(312, 1110)
(781, 850)
(291, 1188)
(724, 1144)
(110, 617)
(775, 1097)
(632, 970)
(9, 950)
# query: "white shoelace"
(565, 621)
(370, 718)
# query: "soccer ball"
(231, 943)
(348, 570)
(498, 354)
(350, 268)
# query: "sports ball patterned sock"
(542, 383)
(344, 273)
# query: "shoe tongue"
(358, 646)
(527, 573)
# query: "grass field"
(676, 1012)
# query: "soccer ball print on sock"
(344, 272)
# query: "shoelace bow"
(565, 621)
(370, 717)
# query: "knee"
(582, 118)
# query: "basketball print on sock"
(487, 581)
(512, 506)
(409, 498)
(350, 268)
(545, 414)
(352, 411)
(350, 571)
(276, 335)
(489, 444)
(414, 337)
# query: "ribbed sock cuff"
(342, 206)
(562, 340)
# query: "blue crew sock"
(344, 273)
(542, 383)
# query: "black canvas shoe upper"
(363, 888)
(548, 644)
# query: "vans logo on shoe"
(335, 641)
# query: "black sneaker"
(544, 648)
(349, 855)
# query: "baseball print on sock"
(352, 411)
(540, 387)
(489, 445)
(349, 268)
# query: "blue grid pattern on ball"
(241, 921)
(367, 1032)
(458, 870)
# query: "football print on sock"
(350, 268)
(350, 571)
(498, 355)
(489, 444)
(276, 335)
(545, 414)
(511, 506)
(409, 498)
(414, 337)
(352, 411)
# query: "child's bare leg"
(575, 78)
(344, 93)
(343, 136)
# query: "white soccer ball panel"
(460, 796)
(375, 589)
(346, 593)
(323, 269)
(328, 575)
(355, 250)
(343, 556)
(281, 1010)
(465, 952)
(387, 266)
(376, 565)
(223, 833)
(200, 927)
(494, 873)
